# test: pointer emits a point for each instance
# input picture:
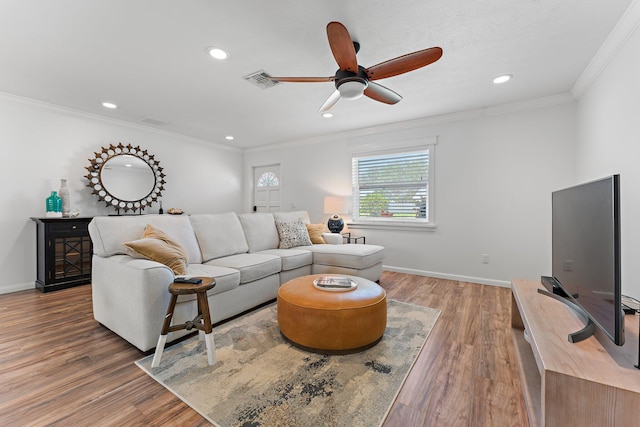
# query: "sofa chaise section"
(357, 260)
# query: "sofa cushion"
(219, 235)
(158, 246)
(292, 234)
(315, 233)
(292, 258)
(109, 233)
(351, 256)
(260, 231)
(226, 278)
(251, 266)
(292, 216)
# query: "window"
(393, 188)
(268, 179)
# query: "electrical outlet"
(485, 258)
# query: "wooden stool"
(202, 322)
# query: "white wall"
(608, 135)
(495, 171)
(42, 143)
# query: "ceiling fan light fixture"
(352, 89)
(353, 80)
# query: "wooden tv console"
(589, 383)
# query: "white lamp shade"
(336, 205)
(352, 89)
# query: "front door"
(267, 195)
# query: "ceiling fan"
(352, 80)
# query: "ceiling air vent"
(152, 121)
(261, 79)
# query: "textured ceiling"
(149, 57)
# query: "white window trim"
(417, 225)
(395, 225)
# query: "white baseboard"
(479, 280)
(17, 287)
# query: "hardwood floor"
(59, 367)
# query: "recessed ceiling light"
(229, 138)
(502, 79)
(110, 105)
(327, 115)
(217, 53)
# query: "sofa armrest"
(130, 297)
(332, 238)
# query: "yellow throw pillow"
(315, 233)
(157, 246)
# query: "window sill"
(392, 225)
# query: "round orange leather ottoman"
(332, 322)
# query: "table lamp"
(335, 205)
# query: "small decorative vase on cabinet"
(64, 195)
(54, 205)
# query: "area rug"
(261, 380)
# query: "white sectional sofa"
(241, 251)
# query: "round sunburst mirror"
(125, 177)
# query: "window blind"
(394, 186)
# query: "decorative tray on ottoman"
(335, 283)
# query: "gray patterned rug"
(261, 380)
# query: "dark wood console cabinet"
(64, 253)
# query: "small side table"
(353, 239)
(201, 322)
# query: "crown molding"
(616, 40)
(59, 109)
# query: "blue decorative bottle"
(54, 206)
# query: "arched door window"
(268, 179)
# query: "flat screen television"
(586, 251)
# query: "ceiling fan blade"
(330, 102)
(342, 46)
(404, 63)
(383, 94)
(303, 79)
